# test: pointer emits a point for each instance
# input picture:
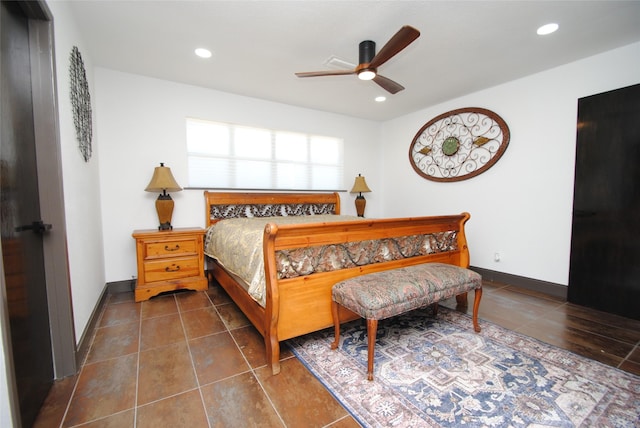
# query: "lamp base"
(164, 207)
(360, 204)
(165, 226)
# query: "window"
(227, 156)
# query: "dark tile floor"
(192, 359)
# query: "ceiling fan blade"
(325, 73)
(403, 38)
(388, 84)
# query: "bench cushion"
(392, 292)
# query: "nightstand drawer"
(174, 248)
(164, 270)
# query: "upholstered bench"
(384, 294)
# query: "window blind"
(230, 156)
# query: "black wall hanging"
(80, 104)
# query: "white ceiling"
(257, 45)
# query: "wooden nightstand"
(169, 260)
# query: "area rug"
(436, 372)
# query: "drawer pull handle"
(175, 248)
(169, 269)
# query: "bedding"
(236, 243)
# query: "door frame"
(51, 197)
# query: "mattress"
(236, 244)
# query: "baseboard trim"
(551, 288)
(121, 286)
(85, 341)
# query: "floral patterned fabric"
(388, 293)
(327, 258)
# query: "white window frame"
(221, 167)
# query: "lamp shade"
(163, 180)
(360, 185)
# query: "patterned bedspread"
(237, 245)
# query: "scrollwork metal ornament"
(80, 103)
(459, 144)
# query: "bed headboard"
(221, 205)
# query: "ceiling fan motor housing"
(367, 51)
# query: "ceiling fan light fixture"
(547, 29)
(203, 53)
(366, 74)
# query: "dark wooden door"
(21, 227)
(605, 243)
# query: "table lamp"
(360, 186)
(163, 181)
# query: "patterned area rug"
(439, 373)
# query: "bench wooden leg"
(476, 306)
(336, 323)
(372, 330)
(461, 300)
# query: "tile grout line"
(135, 400)
(193, 364)
(530, 322)
(626, 358)
(84, 362)
(519, 329)
(251, 369)
(228, 330)
(617, 339)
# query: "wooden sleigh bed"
(303, 261)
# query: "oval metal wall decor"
(459, 144)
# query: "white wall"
(80, 179)
(522, 206)
(141, 122)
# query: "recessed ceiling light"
(203, 53)
(381, 99)
(547, 29)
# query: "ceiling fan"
(369, 62)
